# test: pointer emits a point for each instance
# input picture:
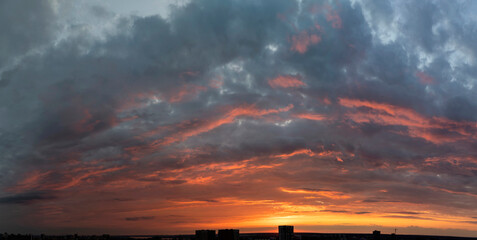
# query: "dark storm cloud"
(408, 217)
(245, 101)
(82, 108)
(461, 109)
(407, 213)
(139, 218)
(334, 211)
(24, 27)
(27, 198)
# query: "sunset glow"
(163, 117)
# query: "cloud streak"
(238, 113)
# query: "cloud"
(139, 218)
(286, 82)
(424, 78)
(27, 198)
(244, 113)
(408, 213)
(28, 33)
(303, 40)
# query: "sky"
(162, 117)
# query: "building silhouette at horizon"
(228, 234)
(205, 235)
(376, 235)
(285, 232)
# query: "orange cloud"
(297, 152)
(333, 17)
(311, 116)
(323, 193)
(190, 128)
(386, 113)
(213, 173)
(309, 153)
(326, 101)
(74, 176)
(83, 175)
(303, 40)
(184, 92)
(175, 95)
(31, 181)
(418, 124)
(286, 81)
(250, 111)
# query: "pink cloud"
(189, 128)
(418, 125)
(184, 92)
(303, 40)
(311, 116)
(286, 81)
(333, 17)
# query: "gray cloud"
(27, 198)
(139, 218)
(175, 107)
(34, 24)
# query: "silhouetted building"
(285, 232)
(393, 236)
(376, 235)
(205, 235)
(228, 234)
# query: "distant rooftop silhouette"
(205, 235)
(228, 234)
(285, 232)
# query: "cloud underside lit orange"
(286, 81)
(257, 192)
(198, 201)
(417, 124)
(332, 116)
